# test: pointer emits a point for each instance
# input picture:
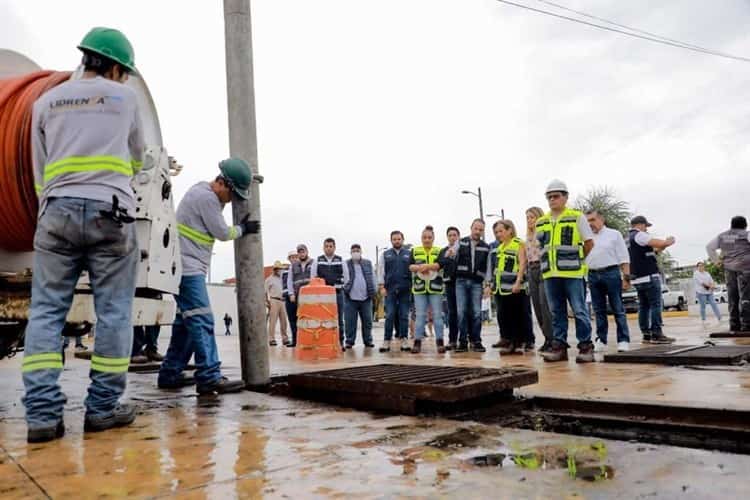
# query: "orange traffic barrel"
(317, 322)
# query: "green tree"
(604, 199)
(716, 272)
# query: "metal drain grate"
(404, 388)
(683, 355)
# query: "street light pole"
(478, 194)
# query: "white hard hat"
(556, 186)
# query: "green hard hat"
(238, 172)
(112, 44)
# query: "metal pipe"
(243, 143)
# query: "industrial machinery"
(160, 268)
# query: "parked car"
(629, 301)
(673, 299)
(720, 295)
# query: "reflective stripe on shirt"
(75, 164)
(196, 236)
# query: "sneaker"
(646, 338)
(178, 384)
(153, 355)
(44, 434)
(478, 347)
(349, 346)
(557, 351)
(417, 347)
(462, 348)
(272, 343)
(440, 346)
(585, 353)
(81, 348)
(623, 346)
(599, 346)
(291, 345)
(451, 346)
(138, 359)
(506, 347)
(122, 415)
(528, 347)
(545, 347)
(498, 344)
(660, 338)
(221, 386)
(369, 345)
(386, 347)
(405, 345)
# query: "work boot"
(440, 346)
(405, 345)
(660, 338)
(138, 359)
(556, 352)
(417, 347)
(386, 347)
(221, 386)
(369, 345)
(153, 355)
(462, 347)
(183, 381)
(451, 346)
(44, 434)
(545, 347)
(585, 353)
(122, 415)
(478, 347)
(646, 338)
(498, 344)
(506, 347)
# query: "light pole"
(478, 194)
(501, 215)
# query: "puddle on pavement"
(460, 438)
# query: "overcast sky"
(373, 116)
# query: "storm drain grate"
(730, 335)
(406, 388)
(683, 355)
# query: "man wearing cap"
(275, 303)
(565, 239)
(359, 290)
(299, 276)
(645, 277)
(86, 142)
(200, 222)
(289, 306)
(734, 245)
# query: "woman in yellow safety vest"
(427, 288)
(511, 287)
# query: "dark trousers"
(147, 337)
(363, 310)
(228, 325)
(607, 286)
(539, 300)
(397, 313)
(450, 295)
(514, 316)
(291, 314)
(498, 309)
(650, 306)
(738, 297)
(340, 308)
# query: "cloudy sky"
(375, 115)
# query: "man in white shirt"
(607, 260)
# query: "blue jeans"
(469, 308)
(604, 286)
(708, 298)
(650, 306)
(450, 294)
(397, 313)
(72, 236)
(421, 303)
(192, 333)
(363, 310)
(560, 292)
(291, 314)
(147, 337)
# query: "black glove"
(250, 226)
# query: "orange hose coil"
(317, 322)
(18, 200)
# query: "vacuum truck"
(159, 271)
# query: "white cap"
(556, 186)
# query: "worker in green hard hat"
(86, 141)
(200, 222)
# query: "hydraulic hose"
(18, 200)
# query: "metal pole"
(481, 211)
(502, 213)
(248, 250)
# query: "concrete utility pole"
(243, 143)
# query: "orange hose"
(18, 201)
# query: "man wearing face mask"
(359, 291)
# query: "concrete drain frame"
(411, 389)
(705, 354)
